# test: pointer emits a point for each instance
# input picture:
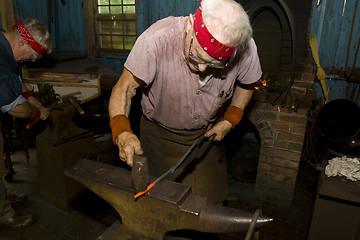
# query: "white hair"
(227, 21)
(39, 32)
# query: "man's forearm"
(241, 97)
(235, 111)
(121, 95)
(24, 110)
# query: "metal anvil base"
(166, 207)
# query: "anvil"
(169, 206)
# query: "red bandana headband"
(28, 38)
(212, 46)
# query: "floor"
(90, 216)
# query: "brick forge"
(284, 56)
(282, 134)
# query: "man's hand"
(44, 113)
(34, 102)
(129, 145)
(220, 129)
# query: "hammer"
(55, 105)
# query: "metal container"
(338, 124)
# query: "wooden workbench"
(336, 213)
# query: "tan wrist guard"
(233, 115)
(119, 124)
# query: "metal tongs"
(199, 146)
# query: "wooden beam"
(89, 15)
(7, 14)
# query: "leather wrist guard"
(26, 94)
(233, 115)
(119, 124)
(37, 114)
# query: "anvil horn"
(167, 207)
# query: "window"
(115, 24)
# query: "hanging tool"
(343, 11)
(290, 101)
(284, 100)
(276, 99)
(199, 146)
(357, 98)
(320, 73)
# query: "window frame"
(98, 35)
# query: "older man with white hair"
(196, 74)
(27, 41)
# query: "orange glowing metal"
(147, 189)
(263, 81)
(199, 146)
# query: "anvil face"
(166, 207)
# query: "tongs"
(199, 146)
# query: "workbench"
(336, 213)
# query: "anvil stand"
(52, 159)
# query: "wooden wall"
(65, 20)
(337, 27)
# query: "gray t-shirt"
(172, 94)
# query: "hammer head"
(140, 174)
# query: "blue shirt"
(10, 81)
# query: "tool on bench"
(198, 147)
(76, 105)
(70, 98)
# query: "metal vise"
(166, 207)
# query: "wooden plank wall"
(7, 14)
(149, 11)
(337, 27)
(69, 33)
(64, 20)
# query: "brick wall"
(282, 134)
(281, 130)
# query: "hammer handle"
(77, 106)
(34, 121)
(31, 123)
